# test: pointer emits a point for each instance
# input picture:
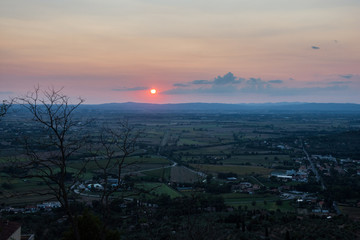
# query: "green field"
(22, 199)
(265, 160)
(158, 173)
(27, 191)
(22, 191)
(239, 170)
(131, 164)
(7, 160)
(158, 189)
(184, 141)
(147, 160)
(256, 201)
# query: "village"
(305, 202)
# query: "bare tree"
(114, 147)
(4, 107)
(49, 152)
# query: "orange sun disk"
(153, 91)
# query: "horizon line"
(252, 103)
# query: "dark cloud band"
(130, 89)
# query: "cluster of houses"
(318, 207)
(324, 157)
(245, 187)
(90, 186)
(291, 175)
(324, 164)
(350, 163)
(45, 206)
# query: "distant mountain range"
(228, 108)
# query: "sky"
(228, 51)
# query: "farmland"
(159, 189)
(177, 150)
(239, 170)
(244, 173)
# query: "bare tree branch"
(54, 112)
(4, 107)
(115, 145)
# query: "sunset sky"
(230, 51)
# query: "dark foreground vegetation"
(194, 217)
(70, 171)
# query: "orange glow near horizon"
(172, 51)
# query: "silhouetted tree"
(54, 113)
(4, 107)
(115, 144)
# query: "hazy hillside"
(220, 107)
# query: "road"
(314, 169)
(257, 181)
(151, 169)
(163, 141)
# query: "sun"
(153, 91)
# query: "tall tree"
(50, 151)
